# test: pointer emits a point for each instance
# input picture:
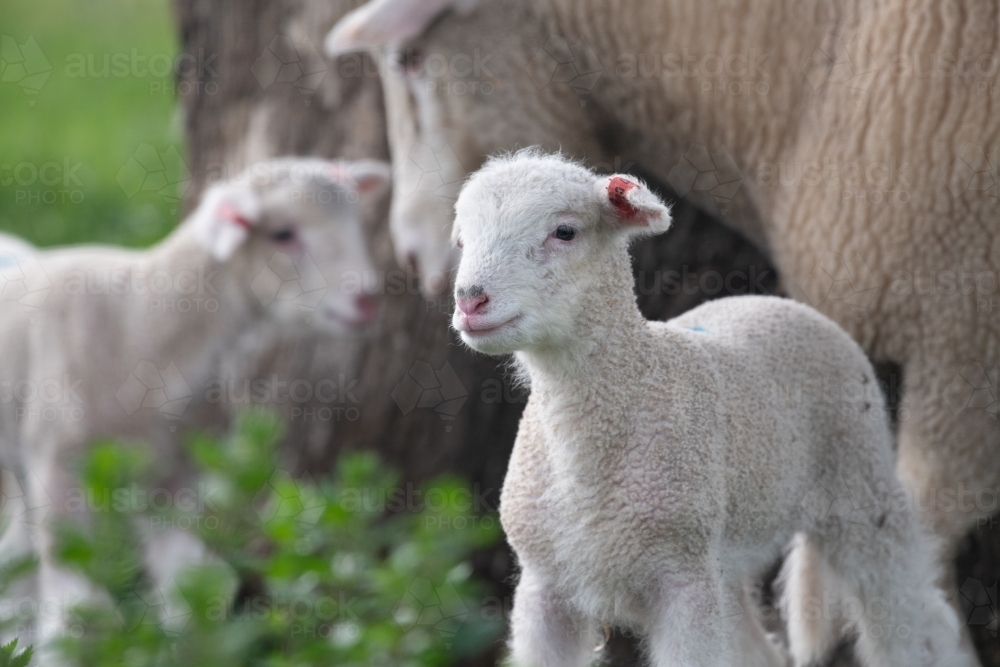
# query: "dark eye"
(412, 61)
(283, 235)
(565, 233)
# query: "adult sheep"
(101, 342)
(869, 178)
(658, 470)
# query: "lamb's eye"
(565, 233)
(283, 235)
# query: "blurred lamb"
(115, 343)
(870, 178)
(659, 468)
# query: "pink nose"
(472, 305)
(367, 308)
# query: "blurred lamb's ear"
(366, 177)
(632, 205)
(382, 22)
(223, 220)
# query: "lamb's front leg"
(60, 589)
(545, 632)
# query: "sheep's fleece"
(660, 468)
(102, 342)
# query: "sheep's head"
(291, 230)
(459, 85)
(538, 234)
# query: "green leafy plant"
(10, 657)
(357, 569)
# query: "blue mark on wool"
(698, 328)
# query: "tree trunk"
(420, 400)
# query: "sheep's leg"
(808, 590)
(59, 588)
(885, 586)
(947, 459)
(15, 545)
(698, 622)
(167, 554)
(545, 632)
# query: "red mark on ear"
(228, 212)
(618, 188)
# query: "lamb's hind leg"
(709, 622)
(886, 588)
(545, 632)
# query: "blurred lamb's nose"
(471, 301)
(412, 264)
(367, 308)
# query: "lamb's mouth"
(487, 331)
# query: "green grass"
(80, 127)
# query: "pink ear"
(226, 211)
(363, 176)
(633, 204)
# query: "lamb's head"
(460, 84)
(290, 231)
(539, 237)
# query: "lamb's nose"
(412, 264)
(472, 301)
(367, 308)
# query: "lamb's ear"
(632, 205)
(223, 220)
(366, 177)
(382, 22)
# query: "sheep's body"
(102, 342)
(661, 468)
(855, 141)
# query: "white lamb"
(660, 468)
(102, 342)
